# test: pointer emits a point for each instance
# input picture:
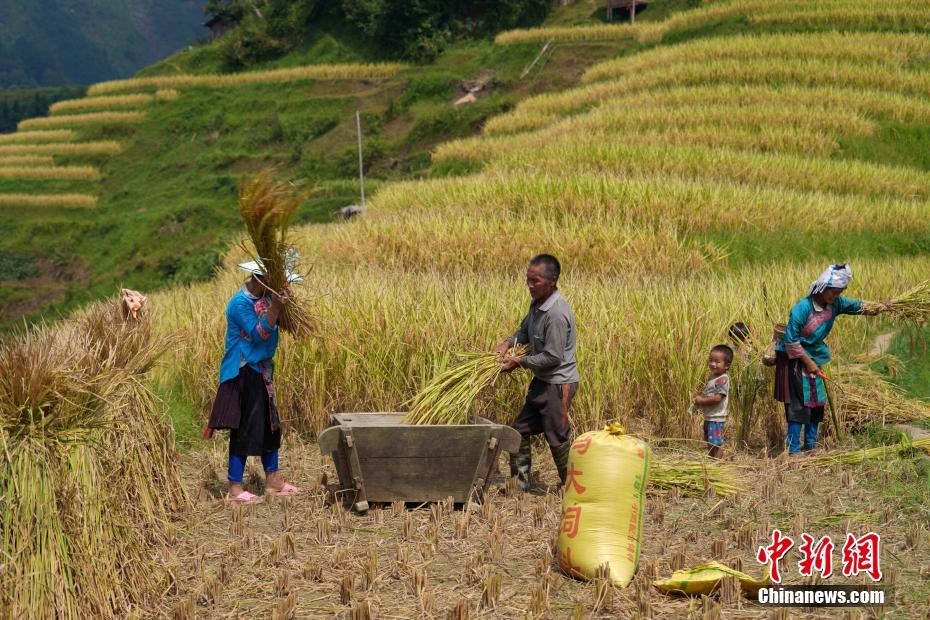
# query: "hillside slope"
(689, 173)
(57, 42)
(166, 164)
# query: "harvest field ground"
(423, 562)
(694, 169)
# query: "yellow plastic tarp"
(602, 510)
(706, 578)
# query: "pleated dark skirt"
(242, 405)
(789, 390)
(782, 378)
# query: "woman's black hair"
(739, 332)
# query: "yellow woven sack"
(706, 578)
(602, 510)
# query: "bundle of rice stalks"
(864, 396)
(448, 397)
(850, 457)
(89, 475)
(912, 305)
(267, 207)
(694, 476)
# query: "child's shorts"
(713, 433)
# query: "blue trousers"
(237, 465)
(794, 436)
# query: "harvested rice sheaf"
(912, 305)
(448, 397)
(864, 396)
(694, 476)
(267, 208)
(89, 474)
(905, 448)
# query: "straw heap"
(850, 457)
(693, 476)
(912, 305)
(88, 472)
(267, 207)
(448, 397)
(863, 396)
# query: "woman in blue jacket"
(802, 353)
(245, 400)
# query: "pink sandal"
(243, 498)
(286, 490)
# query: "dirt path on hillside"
(880, 345)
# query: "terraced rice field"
(118, 106)
(685, 187)
(665, 175)
(897, 15)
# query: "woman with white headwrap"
(245, 400)
(802, 353)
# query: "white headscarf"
(835, 276)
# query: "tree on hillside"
(412, 30)
(227, 10)
(419, 29)
(267, 28)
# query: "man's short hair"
(726, 350)
(551, 267)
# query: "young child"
(714, 399)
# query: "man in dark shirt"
(549, 330)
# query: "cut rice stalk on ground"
(694, 477)
(863, 396)
(903, 449)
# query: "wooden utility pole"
(361, 168)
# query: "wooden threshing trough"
(381, 459)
